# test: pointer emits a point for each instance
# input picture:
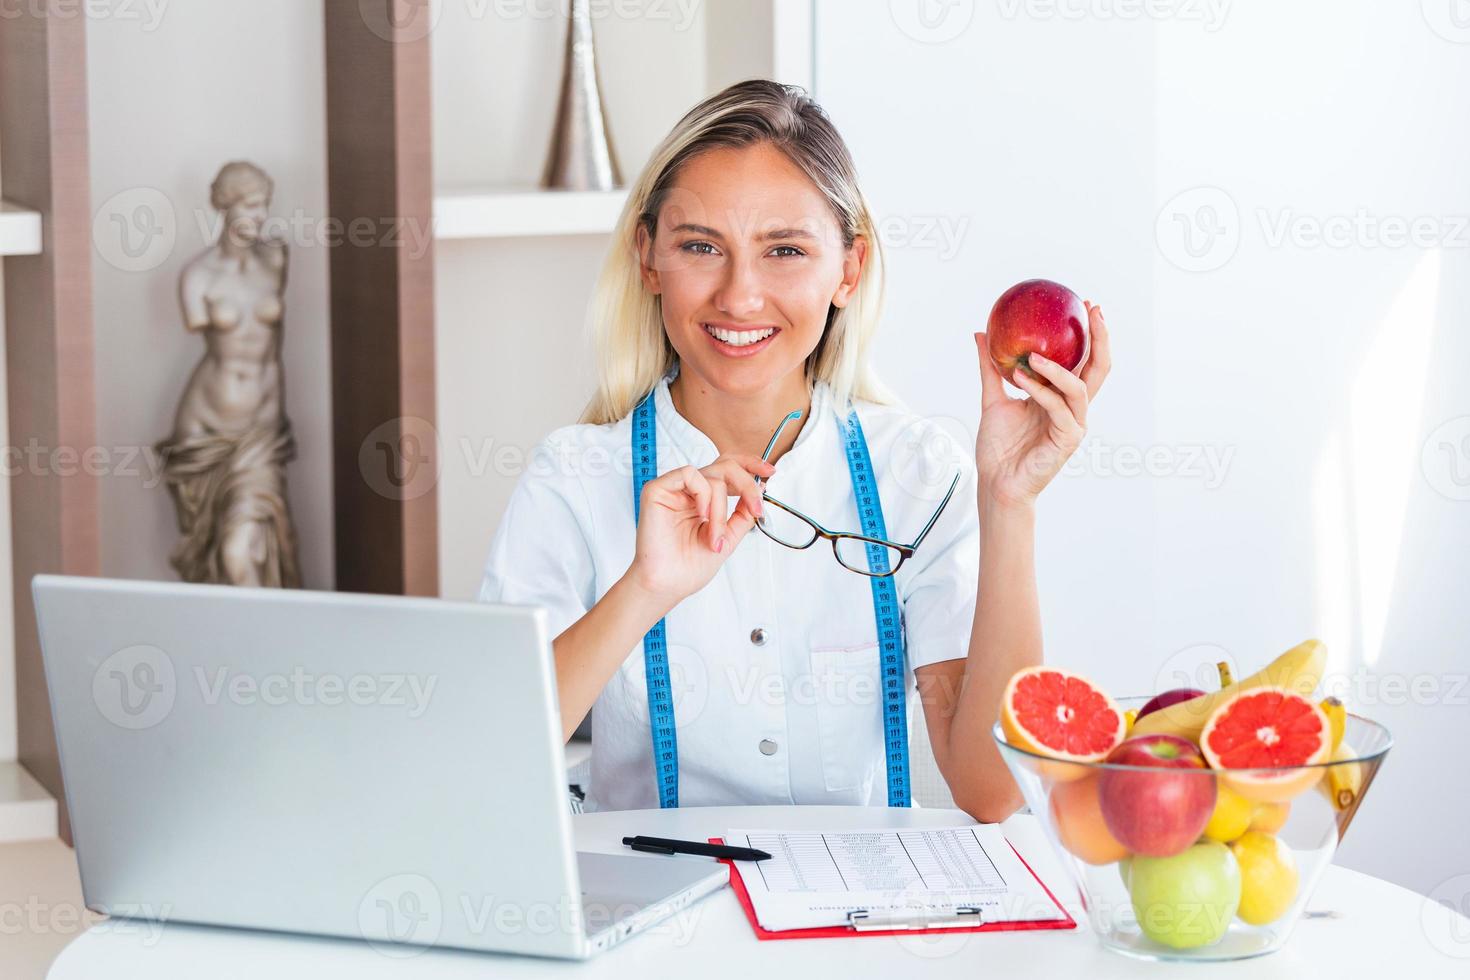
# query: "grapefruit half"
(1055, 713)
(1268, 728)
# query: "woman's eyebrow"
(777, 233)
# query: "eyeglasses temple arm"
(790, 417)
(933, 520)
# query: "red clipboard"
(827, 932)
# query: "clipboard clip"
(861, 920)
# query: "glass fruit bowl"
(1190, 863)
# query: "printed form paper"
(814, 879)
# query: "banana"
(1344, 780)
(1129, 717)
(1337, 717)
(1298, 669)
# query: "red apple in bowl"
(1160, 810)
(1037, 316)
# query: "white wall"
(170, 102)
(1316, 375)
(512, 355)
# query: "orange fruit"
(1055, 713)
(1077, 814)
(1269, 818)
(1267, 727)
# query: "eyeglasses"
(856, 552)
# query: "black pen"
(662, 845)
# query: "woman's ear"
(644, 247)
(853, 260)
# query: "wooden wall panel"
(48, 337)
(382, 297)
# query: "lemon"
(1268, 877)
(1231, 816)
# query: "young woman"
(727, 663)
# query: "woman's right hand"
(685, 531)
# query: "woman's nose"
(741, 294)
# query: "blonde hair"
(626, 320)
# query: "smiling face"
(747, 259)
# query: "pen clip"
(652, 848)
(861, 920)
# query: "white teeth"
(739, 338)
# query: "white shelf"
(20, 230)
(27, 811)
(514, 212)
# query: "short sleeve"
(939, 591)
(540, 553)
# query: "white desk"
(1385, 931)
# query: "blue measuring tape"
(885, 615)
(655, 647)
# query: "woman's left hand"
(1024, 442)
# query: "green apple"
(1187, 899)
(1123, 864)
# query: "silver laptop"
(377, 767)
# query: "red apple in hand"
(1039, 316)
(1161, 810)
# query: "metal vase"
(581, 156)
